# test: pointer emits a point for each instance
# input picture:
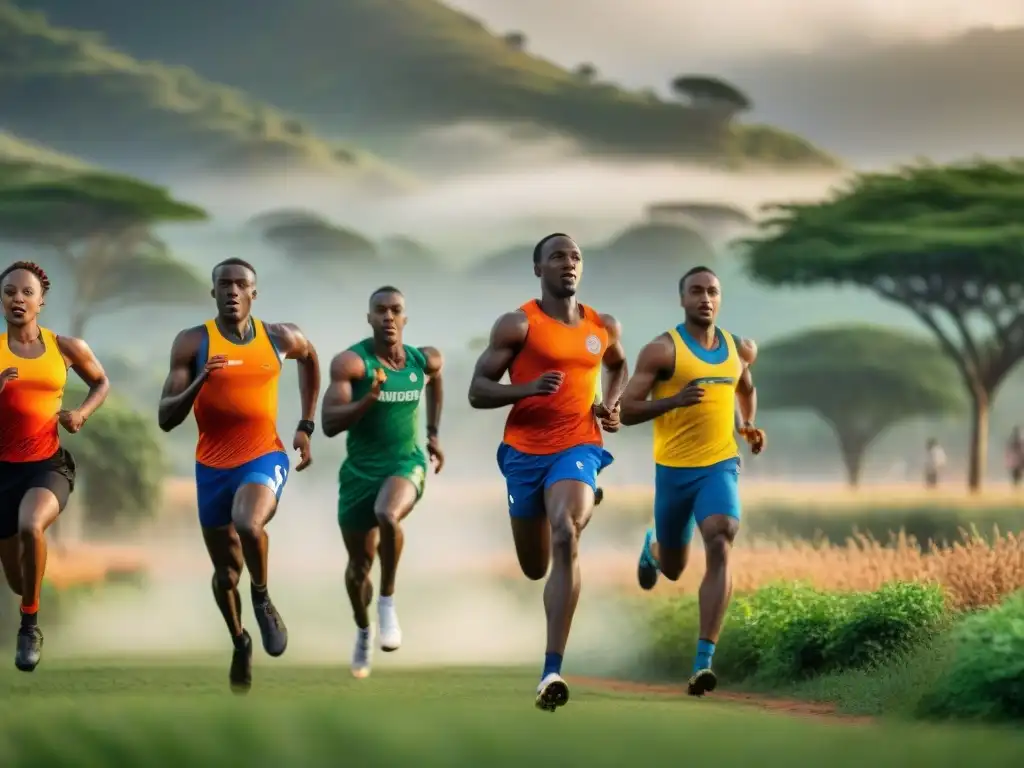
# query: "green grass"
(397, 65)
(69, 90)
(165, 713)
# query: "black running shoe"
(240, 674)
(704, 681)
(30, 648)
(272, 628)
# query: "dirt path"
(792, 707)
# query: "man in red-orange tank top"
(37, 474)
(554, 350)
(227, 370)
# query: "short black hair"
(690, 273)
(232, 262)
(386, 289)
(540, 244)
(29, 266)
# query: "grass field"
(171, 711)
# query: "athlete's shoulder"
(659, 354)
(348, 365)
(71, 348)
(191, 338)
(511, 327)
(433, 360)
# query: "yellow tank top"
(704, 434)
(29, 403)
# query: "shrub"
(985, 678)
(789, 632)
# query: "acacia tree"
(709, 92)
(945, 242)
(307, 236)
(861, 380)
(98, 226)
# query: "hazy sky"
(639, 41)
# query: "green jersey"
(388, 434)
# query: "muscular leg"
(395, 501)
(253, 507)
(225, 552)
(361, 546)
(569, 504)
(532, 536)
(718, 532)
(38, 509)
(672, 560)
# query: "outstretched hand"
(301, 444)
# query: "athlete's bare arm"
(746, 399)
(84, 363)
(292, 342)
(507, 337)
(435, 404)
(655, 362)
(339, 412)
(182, 384)
(616, 366)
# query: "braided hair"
(29, 266)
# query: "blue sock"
(705, 650)
(552, 664)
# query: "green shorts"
(357, 492)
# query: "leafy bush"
(789, 632)
(985, 678)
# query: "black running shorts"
(56, 474)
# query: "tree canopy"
(705, 88)
(945, 242)
(860, 379)
(307, 235)
(99, 227)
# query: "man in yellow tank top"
(688, 382)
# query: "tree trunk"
(853, 459)
(78, 321)
(979, 438)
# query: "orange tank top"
(29, 404)
(547, 424)
(236, 410)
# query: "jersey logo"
(413, 377)
(406, 396)
(579, 465)
(593, 344)
(714, 380)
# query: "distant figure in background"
(553, 349)
(689, 381)
(37, 475)
(227, 371)
(374, 395)
(1015, 456)
(934, 462)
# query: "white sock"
(386, 601)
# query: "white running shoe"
(552, 693)
(362, 654)
(390, 631)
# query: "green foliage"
(304, 235)
(121, 465)
(985, 679)
(788, 632)
(85, 95)
(704, 88)
(402, 65)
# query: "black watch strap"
(431, 431)
(307, 426)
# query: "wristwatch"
(307, 426)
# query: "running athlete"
(37, 475)
(227, 371)
(695, 376)
(553, 350)
(374, 395)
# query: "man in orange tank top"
(553, 350)
(37, 475)
(227, 371)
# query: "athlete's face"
(387, 316)
(560, 267)
(234, 288)
(702, 295)
(22, 297)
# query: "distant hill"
(943, 99)
(375, 68)
(70, 91)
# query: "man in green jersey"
(374, 395)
